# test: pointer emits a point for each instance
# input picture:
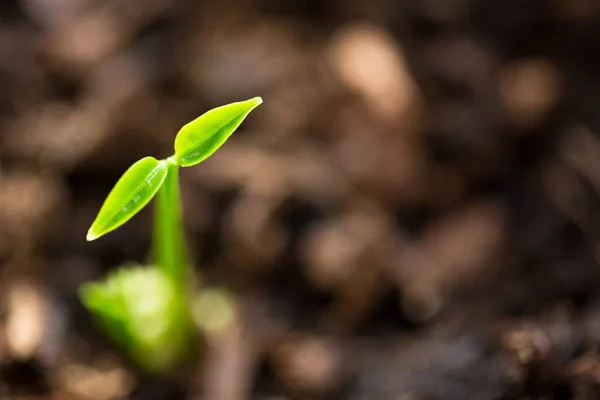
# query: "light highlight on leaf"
(132, 192)
(199, 139)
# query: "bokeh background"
(412, 214)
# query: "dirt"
(412, 213)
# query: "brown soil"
(413, 213)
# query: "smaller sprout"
(213, 310)
(137, 308)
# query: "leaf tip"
(91, 235)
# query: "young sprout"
(148, 311)
(139, 310)
(195, 142)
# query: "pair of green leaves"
(195, 142)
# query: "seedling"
(147, 310)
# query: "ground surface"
(412, 214)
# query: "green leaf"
(132, 192)
(140, 310)
(199, 139)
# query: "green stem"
(169, 252)
(168, 248)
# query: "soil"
(413, 213)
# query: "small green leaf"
(199, 139)
(132, 192)
(139, 308)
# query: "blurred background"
(412, 214)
